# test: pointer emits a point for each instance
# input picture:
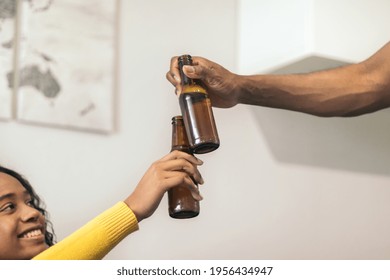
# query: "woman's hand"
(176, 168)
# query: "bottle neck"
(185, 60)
(179, 135)
(185, 81)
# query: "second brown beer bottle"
(181, 203)
(197, 113)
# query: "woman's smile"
(34, 233)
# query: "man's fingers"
(194, 72)
(200, 68)
(174, 72)
(174, 81)
(173, 75)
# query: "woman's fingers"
(175, 169)
(178, 178)
(183, 166)
(179, 154)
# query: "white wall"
(278, 32)
(349, 29)
(324, 181)
(272, 32)
(282, 185)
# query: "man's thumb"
(191, 71)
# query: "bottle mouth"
(177, 118)
(184, 59)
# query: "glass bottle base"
(204, 148)
(184, 215)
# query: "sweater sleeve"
(95, 239)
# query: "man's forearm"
(350, 90)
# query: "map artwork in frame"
(66, 69)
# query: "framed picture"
(8, 15)
(66, 63)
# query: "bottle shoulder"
(193, 89)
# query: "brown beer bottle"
(197, 113)
(181, 203)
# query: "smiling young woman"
(25, 232)
(24, 229)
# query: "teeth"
(32, 233)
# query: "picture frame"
(65, 64)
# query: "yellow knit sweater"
(94, 240)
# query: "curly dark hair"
(36, 202)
